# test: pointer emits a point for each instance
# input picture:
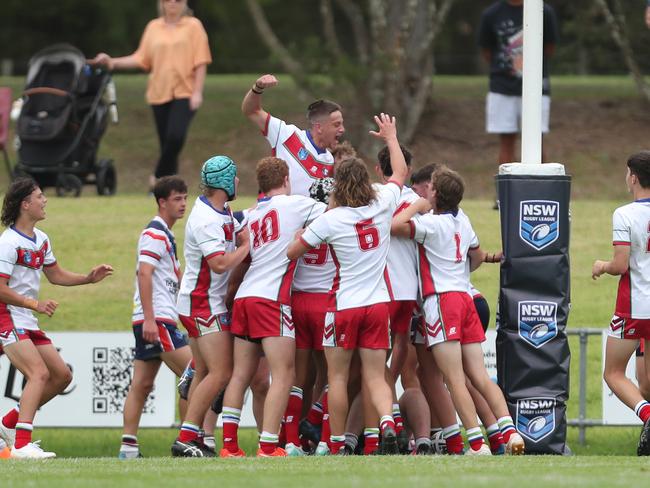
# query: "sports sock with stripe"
(507, 427)
(453, 439)
(475, 438)
(268, 442)
(189, 432)
(386, 422)
(315, 414)
(336, 443)
(397, 417)
(292, 416)
(494, 437)
(230, 417)
(23, 434)
(370, 440)
(642, 410)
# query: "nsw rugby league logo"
(537, 322)
(536, 418)
(539, 222)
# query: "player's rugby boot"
(309, 431)
(279, 452)
(322, 449)
(187, 449)
(515, 445)
(388, 444)
(225, 453)
(128, 452)
(483, 451)
(5, 452)
(403, 442)
(644, 440)
(423, 450)
(8, 435)
(292, 450)
(31, 451)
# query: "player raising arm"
(357, 230)
(24, 252)
(631, 321)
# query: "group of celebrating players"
(313, 287)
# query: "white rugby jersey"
(631, 226)
(402, 257)
(443, 243)
(358, 239)
(307, 162)
(208, 233)
(272, 226)
(157, 247)
(315, 271)
(21, 260)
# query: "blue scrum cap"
(220, 172)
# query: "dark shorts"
(170, 339)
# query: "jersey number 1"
(266, 229)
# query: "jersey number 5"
(266, 229)
(367, 234)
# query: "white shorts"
(503, 113)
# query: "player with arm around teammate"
(453, 329)
(631, 321)
(157, 338)
(357, 230)
(307, 152)
(214, 245)
(25, 251)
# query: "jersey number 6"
(367, 234)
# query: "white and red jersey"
(631, 225)
(315, 271)
(474, 292)
(358, 239)
(402, 257)
(443, 243)
(157, 247)
(307, 162)
(21, 260)
(272, 226)
(209, 232)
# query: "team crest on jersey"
(302, 154)
(30, 258)
(536, 418)
(537, 322)
(539, 222)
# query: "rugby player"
(25, 251)
(631, 321)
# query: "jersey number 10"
(266, 229)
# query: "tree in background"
(379, 52)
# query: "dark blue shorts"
(170, 339)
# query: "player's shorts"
(401, 312)
(624, 328)
(451, 316)
(483, 310)
(170, 339)
(361, 327)
(639, 350)
(10, 334)
(199, 326)
(257, 318)
(308, 311)
(503, 113)
(418, 330)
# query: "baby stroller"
(64, 115)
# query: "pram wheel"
(68, 185)
(106, 178)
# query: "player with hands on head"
(25, 251)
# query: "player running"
(357, 230)
(213, 246)
(25, 251)
(453, 329)
(157, 338)
(307, 152)
(262, 319)
(631, 321)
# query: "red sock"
(496, 441)
(454, 444)
(336, 444)
(315, 414)
(325, 431)
(370, 441)
(189, 432)
(23, 434)
(643, 411)
(11, 419)
(292, 416)
(268, 442)
(386, 422)
(230, 440)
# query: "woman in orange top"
(174, 50)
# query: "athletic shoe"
(500, 451)
(438, 444)
(31, 450)
(309, 431)
(8, 435)
(483, 451)
(403, 442)
(388, 444)
(422, 450)
(210, 442)
(187, 449)
(349, 449)
(515, 445)
(5, 452)
(292, 450)
(279, 452)
(322, 449)
(644, 440)
(225, 453)
(131, 453)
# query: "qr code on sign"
(112, 373)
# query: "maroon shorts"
(12, 335)
(452, 316)
(257, 318)
(365, 327)
(308, 311)
(626, 328)
(401, 313)
(200, 326)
